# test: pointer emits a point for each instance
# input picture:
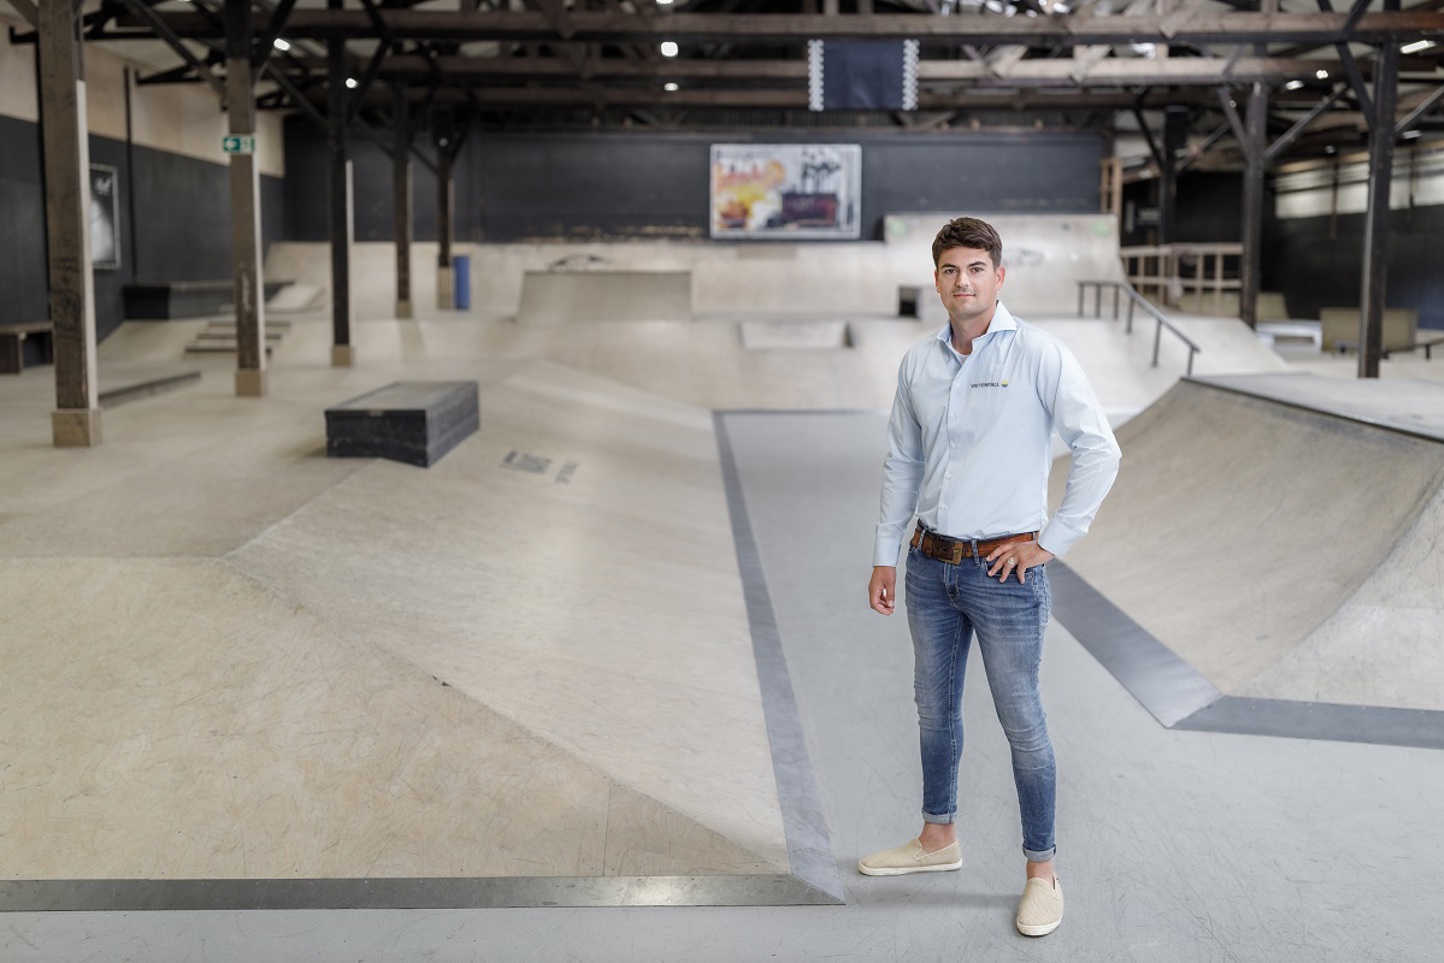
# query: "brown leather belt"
(954, 550)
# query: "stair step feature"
(216, 347)
(231, 325)
(231, 336)
(219, 337)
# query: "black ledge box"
(412, 421)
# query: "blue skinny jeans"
(947, 605)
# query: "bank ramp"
(1272, 559)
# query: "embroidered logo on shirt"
(990, 384)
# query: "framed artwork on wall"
(104, 218)
(786, 191)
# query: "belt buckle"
(950, 550)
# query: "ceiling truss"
(538, 63)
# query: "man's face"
(968, 283)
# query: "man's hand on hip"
(882, 589)
(1016, 558)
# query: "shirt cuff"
(1058, 538)
(886, 552)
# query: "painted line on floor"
(809, 846)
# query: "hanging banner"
(862, 74)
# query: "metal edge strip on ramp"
(1180, 698)
(136, 895)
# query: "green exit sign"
(239, 144)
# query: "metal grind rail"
(1134, 298)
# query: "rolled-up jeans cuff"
(1037, 857)
(940, 820)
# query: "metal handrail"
(1135, 298)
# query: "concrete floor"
(259, 663)
(1185, 846)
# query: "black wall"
(174, 222)
(1316, 262)
(1209, 209)
(24, 289)
(614, 185)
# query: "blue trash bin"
(461, 281)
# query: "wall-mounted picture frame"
(104, 217)
(786, 191)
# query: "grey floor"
(1174, 845)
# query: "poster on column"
(104, 218)
(786, 191)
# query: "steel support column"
(76, 420)
(1376, 222)
(401, 197)
(444, 206)
(1175, 138)
(338, 149)
(1255, 149)
(245, 204)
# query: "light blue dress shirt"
(970, 440)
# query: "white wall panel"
(1310, 192)
(179, 118)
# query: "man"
(969, 448)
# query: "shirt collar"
(1003, 320)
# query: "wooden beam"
(154, 20)
(1065, 31)
(76, 421)
(774, 99)
(250, 378)
(1188, 71)
(26, 9)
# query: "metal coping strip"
(1181, 698)
(137, 895)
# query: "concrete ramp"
(582, 296)
(1279, 536)
(497, 681)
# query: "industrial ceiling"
(1109, 65)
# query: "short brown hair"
(971, 233)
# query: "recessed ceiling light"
(1321, 74)
(281, 45)
(1416, 46)
(1293, 85)
(670, 86)
(669, 48)
(351, 83)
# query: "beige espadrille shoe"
(1041, 908)
(912, 858)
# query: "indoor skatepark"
(611, 651)
(598, 682)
